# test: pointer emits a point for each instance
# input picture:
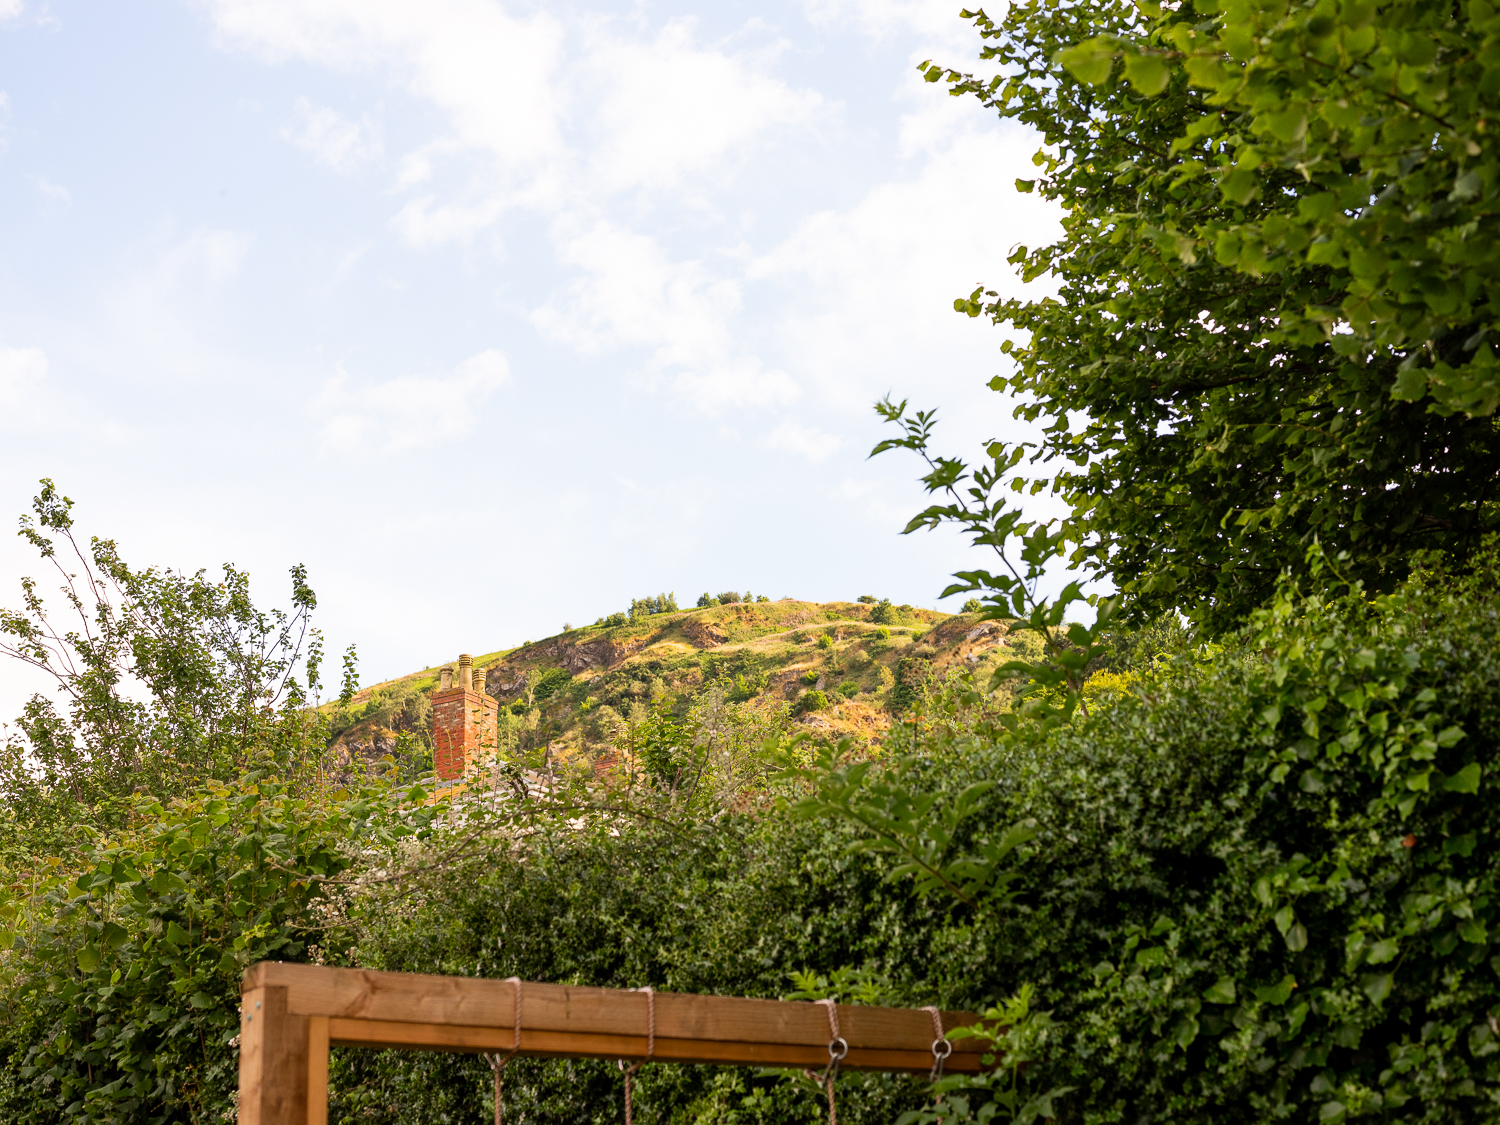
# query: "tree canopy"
(1277, 282)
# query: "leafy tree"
(162, 679)
(652, 604)
(883, 613)
(1276, 287)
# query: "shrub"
(762, 598)
(613, 620)
(707, 601)
(552, 681)
(885, 678)
(866, 599)
(912, 676)
(973, 605)
(883, 633)
(810, 676)
(813, 700)
(825, 641)
(883, 613)
(848, 688)
(649, 605)
(729, 597)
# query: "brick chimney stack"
(464, 721)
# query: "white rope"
(497, 1062)
(650, 1047)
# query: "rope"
(941, 1048)
(837, 1049)
(497, 1062)
(650, 1048)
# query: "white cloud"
(936, 22)
(869, 290)
(49, 189)
(809, 441)
(631, 294)
(563, 113)
(22, 371)
(669, 108)
(10, 9)
(409, 411)
(332, 138)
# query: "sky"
(496, 315)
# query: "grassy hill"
(577, 692)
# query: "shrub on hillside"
(812, 700)
(883, 613)
(707, 601)
(867, 599)
(913, 674)
(613, 620)
(848, 688)
(729, 597)
(652, 604)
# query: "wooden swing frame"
(291, 1015)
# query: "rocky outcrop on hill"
(704, 634)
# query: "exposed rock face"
(704, 634)
(594, 654)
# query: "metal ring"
(947, 1049)
(842, 1050)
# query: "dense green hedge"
(1262, 890)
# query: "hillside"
(575, 692)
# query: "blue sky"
(496, 315)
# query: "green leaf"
(1147, 73)
(1383, 950)
(88, 958)
(177, 935)
(1220, 992)
(114, 936)
(1465, 780)
(1090, 61)
(1410, 384)
(1377, 986)
(1278, 993)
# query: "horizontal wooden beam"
(380, 1009)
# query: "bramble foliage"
(1263, 888)
(119, 991)
(1275, 285)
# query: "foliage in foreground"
(1261, 887)
(1275, 307)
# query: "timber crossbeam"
(292, 1014)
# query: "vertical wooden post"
(317, 1070)
(273, 1060)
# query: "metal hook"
(837, 1050)
(939, 1057)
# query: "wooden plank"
(273, 1060)
(473, 1002)
(317, 1070)
(571, 1044)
